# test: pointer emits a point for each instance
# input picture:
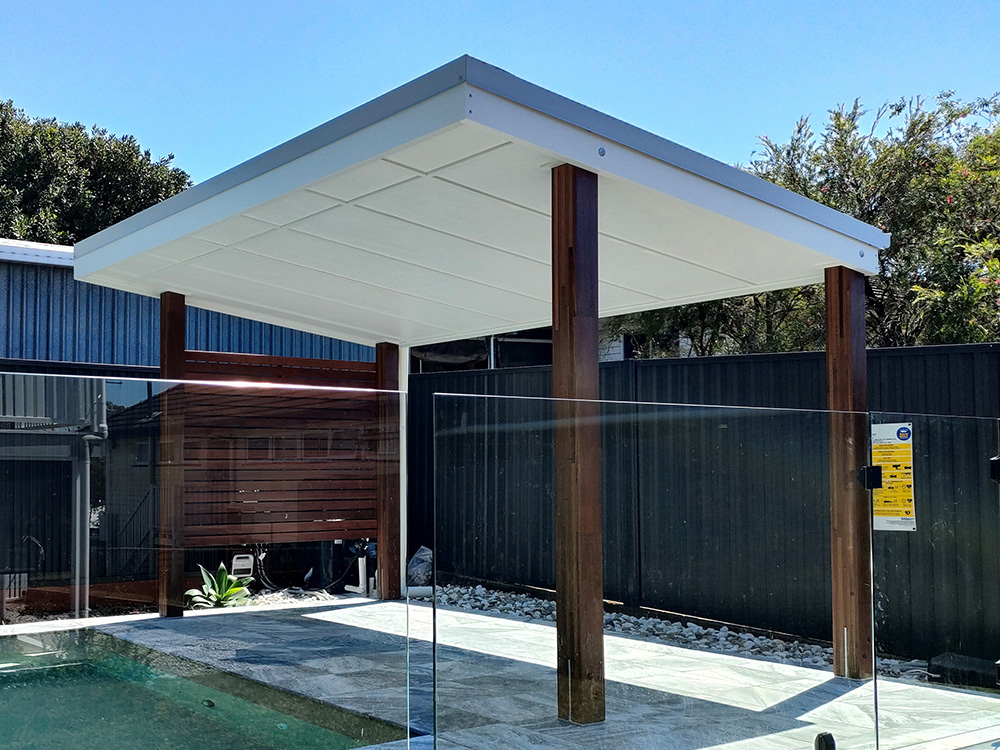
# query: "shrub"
(220, 590)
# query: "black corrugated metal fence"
(724, 513)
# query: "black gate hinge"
(870, 477)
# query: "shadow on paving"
(483, 700)
(488, 701)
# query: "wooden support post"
(850, 507)
(387, 471)
(173, 335)
(579, 550)
(170, 541)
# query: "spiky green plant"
(220, 590)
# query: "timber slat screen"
(268, 369)
(273, 466)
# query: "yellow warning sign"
(892, 504)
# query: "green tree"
(60, 183)
(930, 175)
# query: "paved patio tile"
(496, 684)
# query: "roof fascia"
(408, 95)
(501, 83)
(567, 142)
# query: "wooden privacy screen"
(274, 465)
(259, 368)
(268, 465)
(245, 465)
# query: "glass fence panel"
(719, 593)
(936, 578)
(122, 500)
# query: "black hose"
(264, 579)
(346, 571)
(360, 548)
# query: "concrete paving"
(496, 685)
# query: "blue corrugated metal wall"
(211, 331)
(46, 314)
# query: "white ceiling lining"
(432, 223)
(491, 242)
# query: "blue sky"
(217, 82)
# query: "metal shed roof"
(423, 216)
(40, 253)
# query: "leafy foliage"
(930, 175)
(220, 590)
(60, 183)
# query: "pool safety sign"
(892, 449)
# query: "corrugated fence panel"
(468, 489)
(938, 589)
(495, 492)
(787, 381)
(494, 517)
(620, 448)
(35, 516)
(734, 515)
(734, 504)
(724, 514)
(45, 314)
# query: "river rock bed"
(291, 596)
(687, 635)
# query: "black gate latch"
(871, 477)
(995, 469)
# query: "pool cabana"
(469, 202)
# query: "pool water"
(87, 690)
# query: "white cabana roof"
(423, 216)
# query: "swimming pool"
(85, 689)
